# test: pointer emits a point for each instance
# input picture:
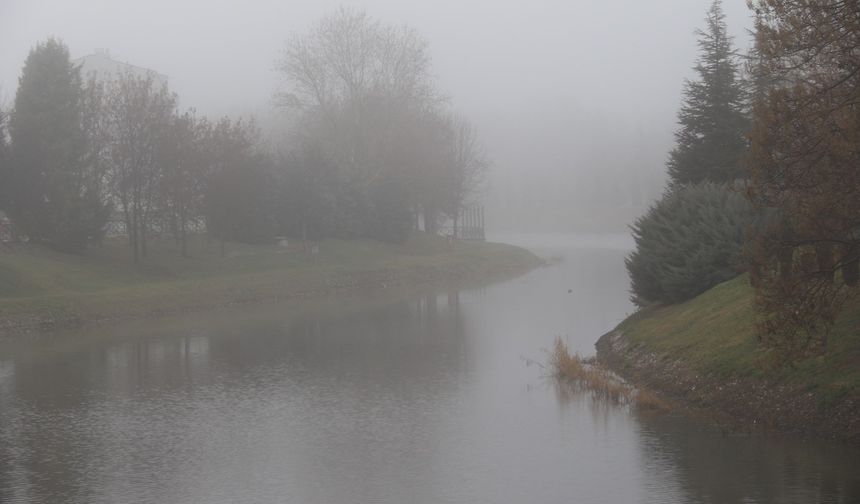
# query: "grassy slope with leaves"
(714, 334)
(103, 283)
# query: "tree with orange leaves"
(805, 167)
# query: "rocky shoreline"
(739, 403)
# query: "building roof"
(104, 67)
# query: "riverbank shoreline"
(741, 404)
(429, 262)
(725, 378)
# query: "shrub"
(688, 242)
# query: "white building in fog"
(106, 68)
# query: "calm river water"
(395, 397)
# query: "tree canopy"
(711, 140)
(804, 157)
(371, 108)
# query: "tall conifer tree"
(4, 160)
(711, 140)
(51, 199)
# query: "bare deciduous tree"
(4, 158)
(370, 103)
(185, 164)
(138, 113)
(466, 168)
(353, 76)
(350, 56)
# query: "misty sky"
(549, 83)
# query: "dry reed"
(600, 381)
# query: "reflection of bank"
(454, 303)
(147, 362)
(710, 465)
(7, 378)
(691, 459)
(6, 234)
(7, 388)
(7, 371)
(382, 384)
(11, 431)
(332, 390)
(432, 307)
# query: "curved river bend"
(416, 397)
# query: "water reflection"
(715, 466)
(693, 460)
(392, 397)
(322, 397)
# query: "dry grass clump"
(563, 364)
(598, 380)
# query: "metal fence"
(470, 225)
(157, 226)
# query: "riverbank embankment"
(704, 353)
(41, 289)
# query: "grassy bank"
(705, 350)
(41, 287)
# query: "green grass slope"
(104, 282)
(714, 334)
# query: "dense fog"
(574, 102)
(429, 251)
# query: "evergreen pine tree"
(711, 140)
(4, 160)
(51, 197)
(688, 242)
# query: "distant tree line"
(377, 149)
(787, 137)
